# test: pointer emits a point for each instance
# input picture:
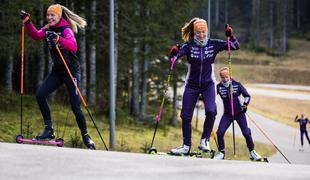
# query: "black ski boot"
(47, 134)
(88, 142)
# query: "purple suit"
(200, 79)
(239, 116)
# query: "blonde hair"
(224, 69)
(74, 19)
(188, 29)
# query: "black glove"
(24, 16)
(174, 50)
(229, 31)
(52, 37)
(244, 108)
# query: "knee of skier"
(211, 113)
(247, 133)
(219, 133)
(186, 117)
(40, 95)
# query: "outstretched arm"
(296, 118)
(34, 33)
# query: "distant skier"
(303, 121)
(200, 80)
(61, 23)
(223, 89)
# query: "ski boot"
(254, 156)
(88, 142)
(220, 156)
(205, 145)
(182, 150)
(47, 134)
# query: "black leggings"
(302, 133)
(50, 84)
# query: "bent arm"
(183, 50)
(245, 94)
(68, 41)
(234, 44)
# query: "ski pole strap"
(159, 114)
(228, 44)
(68, 70)
(172, 63)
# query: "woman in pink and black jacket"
(59, 31)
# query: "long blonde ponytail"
(74, 19)
(188, 29)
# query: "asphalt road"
(33, 162)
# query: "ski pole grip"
(159, 114)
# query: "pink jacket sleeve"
(68, 41)
(34, 33)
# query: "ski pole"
(22, 76)
(261, 130)
(158, 116)
(231, 93)
(81, 97)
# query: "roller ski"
(180, 151)
(44, 139)
(254, 156)
(89, 142)
(205, 150)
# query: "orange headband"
(200, 25)
(55, 8)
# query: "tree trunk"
(283, 39)
(92, 58)
(217, 12)
(298, 14)
(174, 119)
(41, 54)
(209, 18)
(226, 11)
(136, 78)
(136, 72)
(144, 82)
(257, 26)
(82, 50)
(9, 73)
(271, 24)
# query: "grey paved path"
(33, 162)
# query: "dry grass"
(279, 109)
(251, 67)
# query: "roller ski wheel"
(195, 155)
(19, 139)
(91, 146)
(260, 160)
(60, 142)
(152, 150)
(210, 153)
